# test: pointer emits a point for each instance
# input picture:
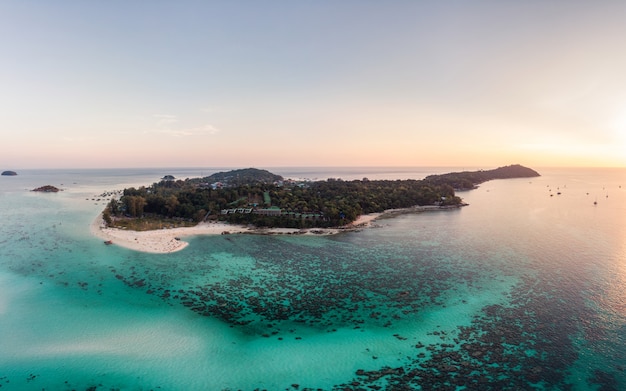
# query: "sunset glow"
(349, 83)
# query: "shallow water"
(523, 289)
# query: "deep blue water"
(522, 289)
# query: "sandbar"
(164, 241)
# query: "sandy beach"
(164, 241)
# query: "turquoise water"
(523, 289)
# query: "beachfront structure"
(273, 211)
(236, 210)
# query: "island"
(47, 189)
(9, 173)
(257, 201)
(468, 180)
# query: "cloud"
(165, 119)
(170, 125)
(197, 131)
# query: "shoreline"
(164, 241)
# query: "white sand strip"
(169, 240)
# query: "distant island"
(263, 199)
(47, 189)
(468, 180)
(9, 173)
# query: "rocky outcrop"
(47, 189)
(9, 173)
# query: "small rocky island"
(9, 173)
(47, 189)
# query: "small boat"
(108, 242)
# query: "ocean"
(525, 288)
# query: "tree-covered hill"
(246, 176)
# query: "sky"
(107, 84)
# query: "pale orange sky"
(354, 83)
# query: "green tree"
(106, 215)
(135, 205)
(171, 204)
